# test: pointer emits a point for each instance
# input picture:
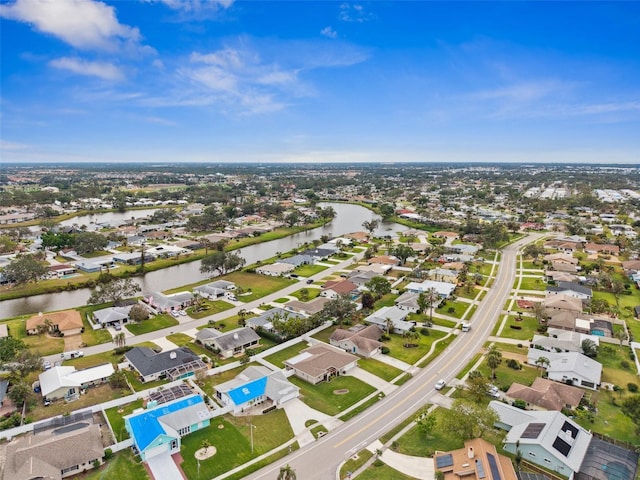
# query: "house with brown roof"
(307, 308)
(445, 235)
(337, 288)
(545, 394)
(561, 258)
(320, 363)
(565, 246)
(358, 236)
(67, 322)
(605, 248)
(53, 454)
(478, 460)
(360, 340)
(385, 260)
(563, 302)
(631, 265)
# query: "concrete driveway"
(164, 468)
(298, 414)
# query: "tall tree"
(221, 262)
(468, 420)
(427, 300)
(542, 363)
(87, 242)
(631, 408)
(403, 251)
(494, 359)
(370, 225)
(379, 286)
(341, 308)
(120, 339)
(113, 291)
(287, 473)
(24, 269)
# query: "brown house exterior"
(67, 322)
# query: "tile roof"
(65, 320)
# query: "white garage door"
(156, 451)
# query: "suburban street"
(321, 459)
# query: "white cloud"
(194, 5)
(329, 32)
(354, 13)
(104, 70)
(5, 145)
(521, 92)
(84, 24)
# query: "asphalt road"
(321, 459)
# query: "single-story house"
(362, 278)
(564, 267)
(53, 454)
(90, 267)
(462, 248)
(563, 302)
(215, 289)
(604, 248)
(229, 343)
(158, 429)
(563, 340)
(275, 269)
(167, 303)
(298, 260)
(67, 382)
(571, 289)
(67, 322)
(376, 268)
(546, 438)
(59, 271)
(177, 363)
(478, 460)
(321, 253)
(167, 251)
(336, 288)
(553, 276)
(446, 235)
(112, 315)
(546, 394)
(561, 258)
(264, 320)
(320, 363)
(408, 301)
(360, 340)
(396, 315)
(358, 236)
(307, 308)
(385, 260)
(133, 258)
(572, 368)
(256, 385)
(443, 275)
(444, 289)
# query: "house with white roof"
(229, 343)
(546, 438)
(67, 382)
(444, 289)
(215, 289)
(256, 385)
(572, 368)
(563, 340)
(396, 315)
(275, 269)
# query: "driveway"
(372, 380)
(164, 468)
(298, 414)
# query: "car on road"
(440, 384)
(309, 280)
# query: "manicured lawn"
(412, 355)
(441, 345)
(270, 430)
(278, 358)
(116, 420)
(609, 420)
(382, 472)
(469, 366)
(281, 300)
(259, 285)
(45, 344)
(322, 397)
(93, 360)
(184, 340)
(123, 466)
(529, 283)
(324, 335)
(208, 383)
(463, 292)
(482, 268)
(378, 368)
(506, 376)
(415, 443)
(90, 336)
(208, 307)
(529, 326)
(458, 308)
(309, 270)
(529, 265)
(386, 301)
(352, 465)
(152, 324)
(311, 293)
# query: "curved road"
(321, 459)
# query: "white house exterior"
(275, 269)
(572, 368)
(66, 382)
(444, 289)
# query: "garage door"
(152, 452)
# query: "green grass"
(506, 376)
(281, 300)
(123, 466)
(208, 307)
(96, 253)
(184, 340)
(458, 308)
(152, 324)
(386, 301)
(440, 346)
(90, 336)
(415, 443)
(471, 294)
(529, 283)
(529, 327)
(309, 270)
(278, 358)
(117, 421)
(378, 368)
(310, 295)
(352, 464)
(93, 360)
(382, 472)
(469, 366)
(403, 379)
(610, 420)
(322, 398)
(137, 385)
(361, 408)
(412, 355)
(324, 335)
(260, 285)
(529, 265)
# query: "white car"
(493, 391)
(175, 314)
(440, 384)
(46, 364)
(183, 313)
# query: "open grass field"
(278, 358)
(382, 472)
(415, 443)
(378, 368)
(528, 325)
(412, 355)
(506, 376)
(258, 285)
(322, 397)
(532, 283)
(152, 324)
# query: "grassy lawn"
(469, 366)
(137, 385)
(184, 340)
(386, 301)
(610, 420)
(208, 307)
(506, 376)
(115, 416)
(412, 355)
(152, 324)
(529, 265)
(258, 285)
(45, 345)
(421, 318)
(465, 293)
(382, 472)
(90, 336)
(415, 443)
(322, 396)
(278, 358)
(123, 466)
(309, 270)
(352, 464)
(529, 283)
(310, 294)
(281, 300)
(378, 368)
(233, 442)
(93, 360)
(324, 335)
(529, 326)
(458, 308)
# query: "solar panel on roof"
(563, 447)
(533, 430)
(568, 427)
(443, 461)
(480, 468)
(493, 465)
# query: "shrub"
(512, 363)
(515, 327)
(424, 331)
(385, 350)
(624, 364)
(108, 453)
(451, 310)
(632, 387)
(520, 404)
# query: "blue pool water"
(597, 332)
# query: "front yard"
(258, 285)
(412, 355)
(335, 396)
(158, 322)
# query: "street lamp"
(251, 427)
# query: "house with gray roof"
(546, 438)
(256, 386)
(112, 315)
(298, 260)
(360, 340)
(362, 278)
(396, 315)
(307, 308)
(571, 289)
(320, 363)
(229, 343)
(444, 289)
(173, 364)
(562, 340)
(168, 303)
(408, 301)
(215, 289)
(53, 454)
(572, 368)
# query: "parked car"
(183, 313)
(493, 391)
(440, 384)
(175, 313)
(117, 327)
(232, 298)
(71, 354)
(46, 364)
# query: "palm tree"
(204, 445)
(621, 335)
(542, 362)
(120, 339)
(287, 473)
(428, 299)
(242, 314)
(494, 359)
(389, 325)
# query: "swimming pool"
(597, 332)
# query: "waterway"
(349, 218)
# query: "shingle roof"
(148, 362)
(235, 338)
(316, 360)
(65, 320)
(547, 394)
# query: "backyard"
(258, 285)
(123, 466)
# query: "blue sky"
(198, 80)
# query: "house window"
(184, 431)
(532, 454)
(547, 460)
(70, 469)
